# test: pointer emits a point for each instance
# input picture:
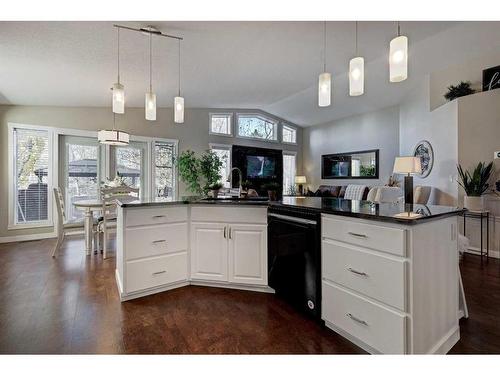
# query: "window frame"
(12, 182)
(224, 146)
(152, 174)
(231, 123)
(258, 115)
(143, 145)
(293, 128)
(294, 154)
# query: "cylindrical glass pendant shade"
(118, 98)
(398, 59)
(179, 109)
(324, 89)
(150, 106)
(356, 76)
(113, 137)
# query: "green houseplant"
(475, 184)
(200, 173)
(462, 89)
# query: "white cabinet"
(248, 254)
(209, 251)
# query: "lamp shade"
(150, 106)
(118, 98)
(179, 109)
(113, 137)
(300, 179)
(407, 164)
(398, 59)
(356, 76)
(324, 89)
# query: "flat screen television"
(260, 166)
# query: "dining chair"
(65, 226)
(107, 221)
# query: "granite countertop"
(390, 212)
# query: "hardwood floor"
(71, 305)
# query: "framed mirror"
(352, 165)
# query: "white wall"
(440, 128)
(193, 134)
(374, 130)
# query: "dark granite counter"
(389, 212)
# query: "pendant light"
(356, 72)
(325, 79)
(118, 90)
(179, 100)
(398, 58)
(150, 98)
(114, 136)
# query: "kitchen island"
(389, 272)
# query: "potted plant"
(189, 171)
(199, 173)
(214, 189)
(272, 189)
(475, 185)
(462, 89)
(210, 165)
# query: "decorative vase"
(272, 195)
(473, 203)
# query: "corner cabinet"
(232, 251)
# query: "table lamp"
(300, 180)
(408, 165)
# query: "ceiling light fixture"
(150, 98)
(113, 137)
(118, 89)
(398, 58)
(356, 72)
(179, 100)
(325, 79)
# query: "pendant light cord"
(179, 83)
(399, 29)
(356, 36)
(324, 46)
(150, 63)
(118, 55)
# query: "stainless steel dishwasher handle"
(292, 218)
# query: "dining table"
(89, 206)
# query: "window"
(32, 175)
(289, 134)
(224, 153)
(257, 126)
(164, 169)
(129, 164)
(81, 172)
(289, 171)
(221, 123)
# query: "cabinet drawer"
(391, 240)
(380, 328)
(246, 215)
(157, 271)
(378, 277)
(155, 215)
(155, 240)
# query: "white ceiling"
(272, 66)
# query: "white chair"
(107, 222)
(354, 192)
(385, 194)
(66, 226)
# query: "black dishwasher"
(294, 256)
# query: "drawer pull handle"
(158, 216)
(361, 273)
(159, 272)
(359, 235)
(159, 241)
(357, 320)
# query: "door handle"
(230, 231)
(225, 232)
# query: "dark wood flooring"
(71, 305)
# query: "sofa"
(334, 191)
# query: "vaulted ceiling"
(272, 66)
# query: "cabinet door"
(248, 254)
(209, 251)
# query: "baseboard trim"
(351, 338)
(447, 342)
(28, 237)
(476, 251)
(143, 293)
(250, 288)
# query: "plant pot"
(214, 193)
(272, 195)
(473, 203)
